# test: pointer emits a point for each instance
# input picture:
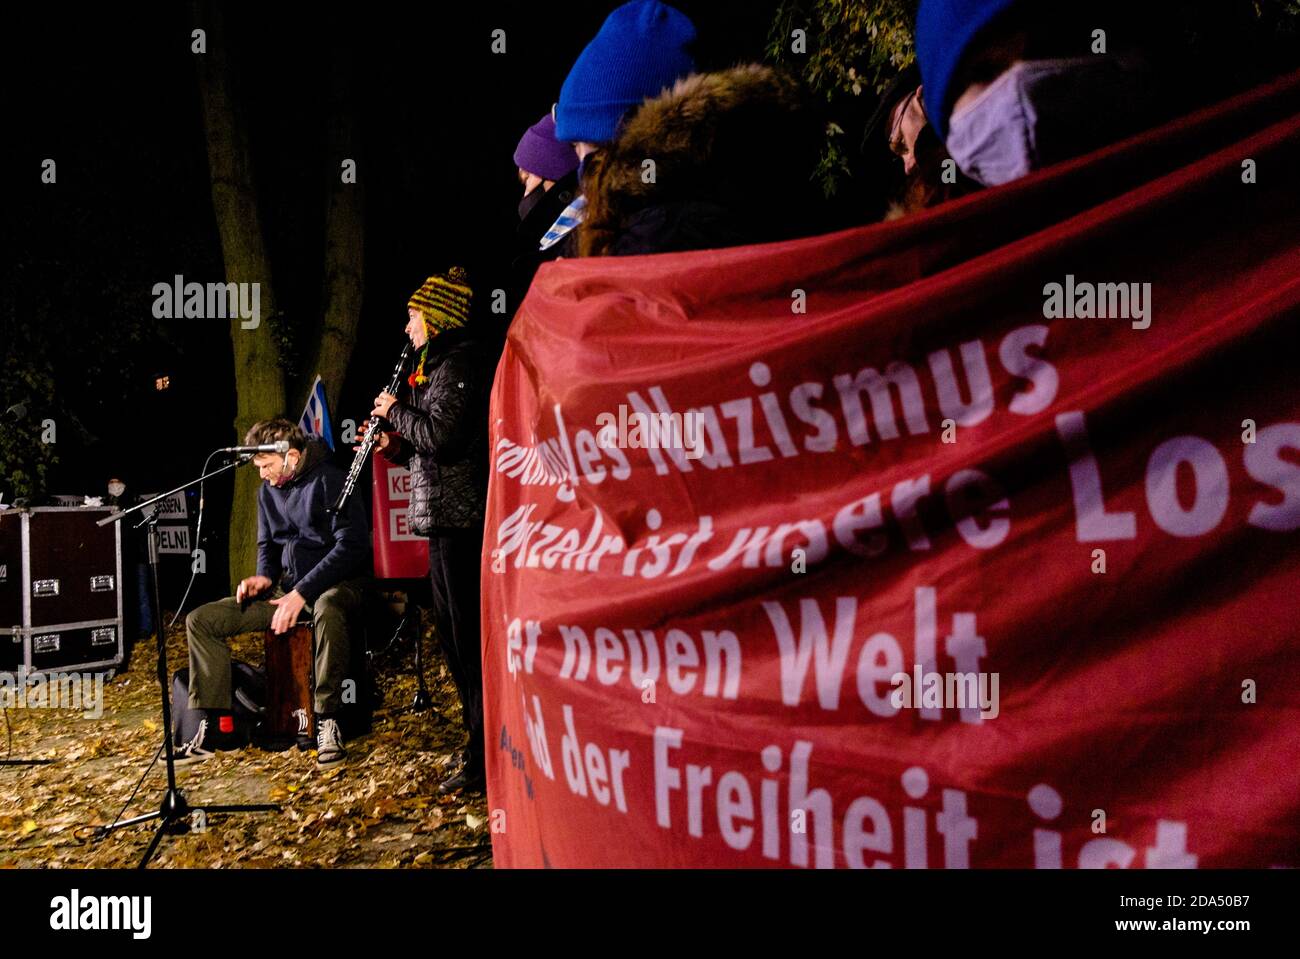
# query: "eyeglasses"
(896, 143)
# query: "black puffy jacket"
(443, 427)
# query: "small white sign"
(173, 507)
(399, 483)
(399, 529)
(174, 539)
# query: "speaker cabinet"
(60, 590)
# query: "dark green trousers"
(209, 627)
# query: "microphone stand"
(411, 624)
(422, 699)
(174, 809)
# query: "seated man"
(307, 558)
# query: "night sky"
(111, 93)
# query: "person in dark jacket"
(1012, 87)
(548, 172)
(734, 153)
(641, 49)
(138, 611)
(929, 176)
(441, 435)
(307, 559)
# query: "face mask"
(286, 474)
(529, 203)
(1041, 111)
(116, 489)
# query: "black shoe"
(304, 740)
(199, 749)
(469, 779)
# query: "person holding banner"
(548, 173)
(642, 48)
(441, 435)
(702, 135)
(1011, 88)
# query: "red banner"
(399, 553)
(970, 539)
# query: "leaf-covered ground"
(382, 809)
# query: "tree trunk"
(344, 248)
(259, 379)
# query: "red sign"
(399, 553)
(985, 554)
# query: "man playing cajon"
(307, 559)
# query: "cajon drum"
(290, 681)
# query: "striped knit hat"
(443, 301)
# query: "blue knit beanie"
(944, 29)
(639, 51)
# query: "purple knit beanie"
(541, 154)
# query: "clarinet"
(368, 441)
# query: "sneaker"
(329, 744)
(304, 739)
(198, 749)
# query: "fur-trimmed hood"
(721, 158)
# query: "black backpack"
(248, 698)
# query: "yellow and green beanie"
(443, 300)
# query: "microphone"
(279, 446)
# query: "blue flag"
(315, 419)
